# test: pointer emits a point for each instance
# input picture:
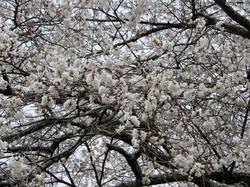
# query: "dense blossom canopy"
(124, 92)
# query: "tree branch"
(233, 29)
(98, 181)
(67, 152)
(193, 10)
(233, 14)
(230, 28)
(204, 181)
(131, 160)
(163, 26)
(245, 120)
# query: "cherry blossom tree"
(124, 93)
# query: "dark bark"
(221, 178)
(244, 22)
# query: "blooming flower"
(69, 104)
(3, 147)
(120, 129)
(18, 168)
(145, 181)
(134, 120)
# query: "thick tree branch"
(41, 124)
(203, 181)
(6, 184)
(231, 28)
(233, 14)
(29, 149)
(34, 126)
(7, 92)
(159, 179)
(230, 178)
(67, 152)
(131, 160)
